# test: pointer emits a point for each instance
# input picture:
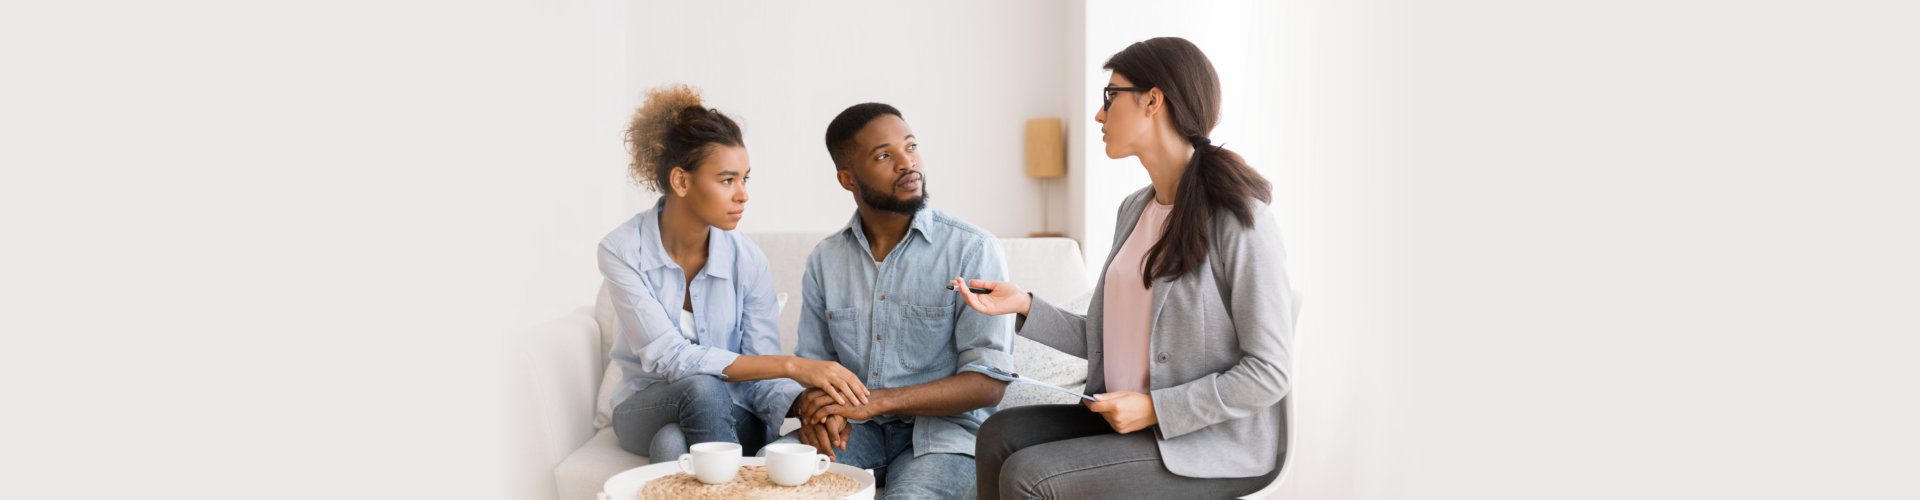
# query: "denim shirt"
(895, 324)
(735, 313)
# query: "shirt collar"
(921, 224)
(653, 251)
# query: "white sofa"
(567, 363)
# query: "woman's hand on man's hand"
(830, 378)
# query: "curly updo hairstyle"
(674, 130)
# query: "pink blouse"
(1126, 336)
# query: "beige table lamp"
(1046, 159)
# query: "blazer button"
(1162, 358)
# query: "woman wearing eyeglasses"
(1187, 338)
(698, 348)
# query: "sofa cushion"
(582, 473)
(1050, 268)
(787, 262)
(603, 315)
(603, 405)
(1037, 361)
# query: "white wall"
(1224, 30)
(967, 75)
(1664, 249)
(265, 250)
(570, 72)
(783, 70)
(569, 78)
(1337, 183)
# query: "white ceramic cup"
(791, 464)
(712, 463)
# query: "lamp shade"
(1046, 156)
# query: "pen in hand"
(973, 289)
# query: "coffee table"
(626, 485)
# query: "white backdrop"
(967, 75)
(1548, 249)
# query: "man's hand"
(824, 437)
(862, 412)
(814, 406)
(1125, 411)
(807, 405)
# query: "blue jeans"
(660, 420)
(888, 450)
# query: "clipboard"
(1015, 377)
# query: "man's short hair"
(841, 130)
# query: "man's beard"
(884, 200)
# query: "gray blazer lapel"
(1129, 216)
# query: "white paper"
(1003, 375)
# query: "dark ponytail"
(1216, 179)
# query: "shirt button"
(1163, 358)
(876, 374)
(883, 297)
(829, 315)
(876, 337)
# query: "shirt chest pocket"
(843, 330)
(926, 337)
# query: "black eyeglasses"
(1106, 94)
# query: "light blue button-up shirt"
(895, 324)
(735, 312)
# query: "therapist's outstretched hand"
(1125, 411)
(1006, 297)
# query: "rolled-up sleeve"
(979, 338)
(760, 336)
(650, 339)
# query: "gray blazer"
(1221, 346)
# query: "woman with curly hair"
(698, 346)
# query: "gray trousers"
(1068, 451)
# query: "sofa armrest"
(560, 372)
